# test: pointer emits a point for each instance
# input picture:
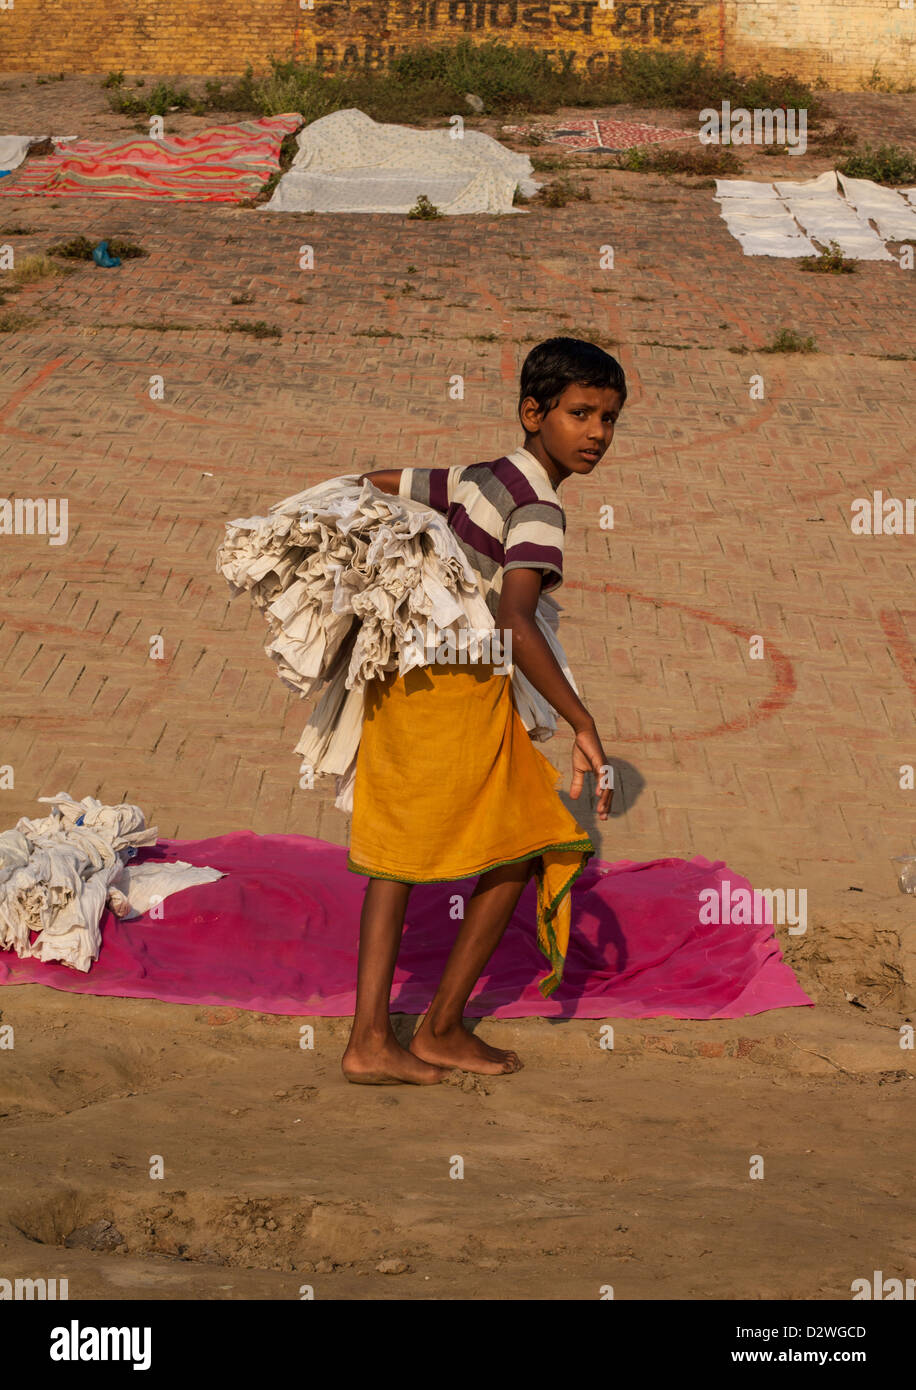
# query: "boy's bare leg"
(374, 1057)
(441, 1037)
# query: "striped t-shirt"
(505, 515)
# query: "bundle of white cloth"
(60, 871)
(355, 583)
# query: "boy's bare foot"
(456, 1047)
(386, 1063)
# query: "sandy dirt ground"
(630, 1165)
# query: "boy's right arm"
(530, 651)
(386, 479)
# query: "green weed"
(883, 164)
(787, 340)
(831, 261)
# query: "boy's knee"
(387, 888)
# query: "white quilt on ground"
(347, 162)
(787, 218)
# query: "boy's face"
(573, 437)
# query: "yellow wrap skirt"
(449, 785)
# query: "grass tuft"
(31, 268)
(424, 210)
(11, 322)
(831, 261)
(787, 340)
(706, 162)
(562, 191)
(258, 329)
(160, 101)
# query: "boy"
(448, 783)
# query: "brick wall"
(840, 41)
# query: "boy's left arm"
(518, 602)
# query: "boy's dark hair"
(560, 362)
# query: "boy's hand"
(588, 756)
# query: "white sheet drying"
(891, 211)
(347, 162)
(787, 218)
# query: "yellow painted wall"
(840, 41)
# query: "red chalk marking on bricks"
(784, 682)
(19, 396)
(902, 649)
(862, 487)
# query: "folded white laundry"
(354, 582)
(58, 873)
(347, 162)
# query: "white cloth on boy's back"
(352, 581)
(59, 872)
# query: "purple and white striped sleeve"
(533, 539)
(426, 485)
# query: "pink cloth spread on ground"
(279, 934)
(220, 164)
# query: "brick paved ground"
(731, 514)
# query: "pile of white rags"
(354, 582)
(59, 873)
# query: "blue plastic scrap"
(102, 256)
